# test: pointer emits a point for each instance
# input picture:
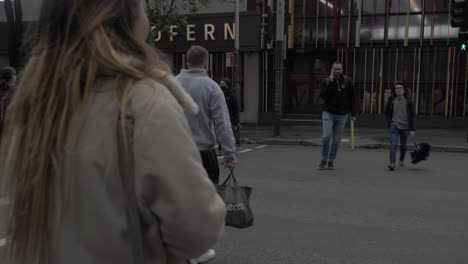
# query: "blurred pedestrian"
(89, 71)
(212, 122)
(233, 107)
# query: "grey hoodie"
(212, 123)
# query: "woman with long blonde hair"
(89, 66)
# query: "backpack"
(420, 153)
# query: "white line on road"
(245, 150)
(2, 242)
(262, 146)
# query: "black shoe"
(391, 166)
(322, 164)
(331, 166)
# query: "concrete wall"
(251, 90)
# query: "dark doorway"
(304, 73)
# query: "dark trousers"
(396, 133)
(210, 163)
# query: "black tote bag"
(239, 213)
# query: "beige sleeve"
(174, 183)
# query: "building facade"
(378, 42)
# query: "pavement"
(446, 140)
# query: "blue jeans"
(332, 131)
(395, 132)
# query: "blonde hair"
(77, 42)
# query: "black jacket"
(233, 107)
(338, 96)
(409, 109)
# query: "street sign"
(230, 59)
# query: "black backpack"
(420, 153)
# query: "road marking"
(2, 242)
(220, 157)
(245, 150)
(262, 146)
(345, 140)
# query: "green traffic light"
(463, 47)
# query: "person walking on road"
(337, 93)
(91, 71)
(232, 105)
(212, 123)
(400, 115)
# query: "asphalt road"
(360, 213)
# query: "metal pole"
(236, 76)
(279, 42)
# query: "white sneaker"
(207, 256)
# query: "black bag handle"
(230, 178)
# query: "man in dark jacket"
(232, 105)
(337, 92)
(400, 115)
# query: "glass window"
(343, 7)
(397, 6)
(321, 31)
(325, 8)
(414, 27)
(343, 30)
(379, 6)
(401, 6)
(438, 5)
(441, 29)
(306, 8)
(366, 29)
(303, 31)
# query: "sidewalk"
(449, 140)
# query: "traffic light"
(459, 13)
(268, 24)
(463, 41)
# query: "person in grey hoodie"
(212, 121)
(400, 115)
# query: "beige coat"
(184, 216)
